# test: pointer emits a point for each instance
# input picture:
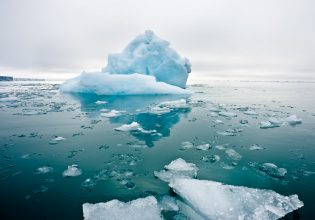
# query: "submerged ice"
(148, 65)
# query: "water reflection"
(140, 109)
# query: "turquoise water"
(121, 164)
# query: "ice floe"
(44, 170)
(111, 114)
(71, 171)
(134, 126)
(227, 114)
(233, 154)
(273, 170)
(294, 120)
(215, 200)
(178, 168)
(139, 209)
(203, 147)
(186, 145)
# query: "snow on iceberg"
(215, 200)
(146, 66)
(143, 208)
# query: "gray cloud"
(220, 37)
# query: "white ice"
(44, 170)
(72, 170)
(178, 168)
(134, 126)
(214, 200)
(139, 209)
(294, 120)
(233, 154)
(146, 66)
(227, 114)
(111, 114)
(273, 170)
(203, 147)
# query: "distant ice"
(111, 114)
(227, 114)
(44, 170)
(186, 145)
(139, 209)
(294, 120)
(178, 168)
(99, 102)
(181, 103)
(214, 200)
(233, 154)
(250, 112)
(134, 126)
(9, 99)
(72, 170)
(273, 170)
(203, 147)
(146, 66)
(255, 147)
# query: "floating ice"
(203, 147)
(168, 203)
(59, 138)
(255, 147)
(227, 114)
(146, 66)
(210, 158)
(178, 168)
(134, 126)
(273, 170)
(181, 103)
(139, 209)
(186, 145)
(72, 170)
(233, 154)
(294, 120)
(250, 112)
(99, 102)
(9, 99)
(44, 170)
(111, 114)
(214, 200)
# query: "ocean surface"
(42, 132)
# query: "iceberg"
(215, 200)
(139, 209)
(72, 170)
(148, 65)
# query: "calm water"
(121, 164)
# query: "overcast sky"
(236, 38)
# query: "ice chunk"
(214, 200)
(72, 170)
(99, 102)
(134, 126)
(250, 112)
(146, 66)
(233, 154)
(139, 209)
(59, 138)
(9, 99)
(186, 145)
(44, 170)
(227, 114)
(203, 147)
(211, 158)
(273, 170)
(181, 103)
(168, 203)
(178, 168)
(111, 114)
(255, 147)
(294, 120)
(149, 55)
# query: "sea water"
(58, 151)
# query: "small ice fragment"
(218, 122)
(210, 158)
(44, 170)
(220, 147)
(233, 154)
(250, 112)
(255, 147)
(9, 99)
(178, 168)
(186, 145)
(294, 120)
(227, 114)
(159, 110)
(273, 170)
(72, 170)
(215, 200)
(129, 127)
(111, 114)
(181, 103)
(139, 209)
(88, 184)
(267, 124)
(243, 121)
(229, 132)
(59, 138)
(99, 102)
(203, 147)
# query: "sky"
(235, 38)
